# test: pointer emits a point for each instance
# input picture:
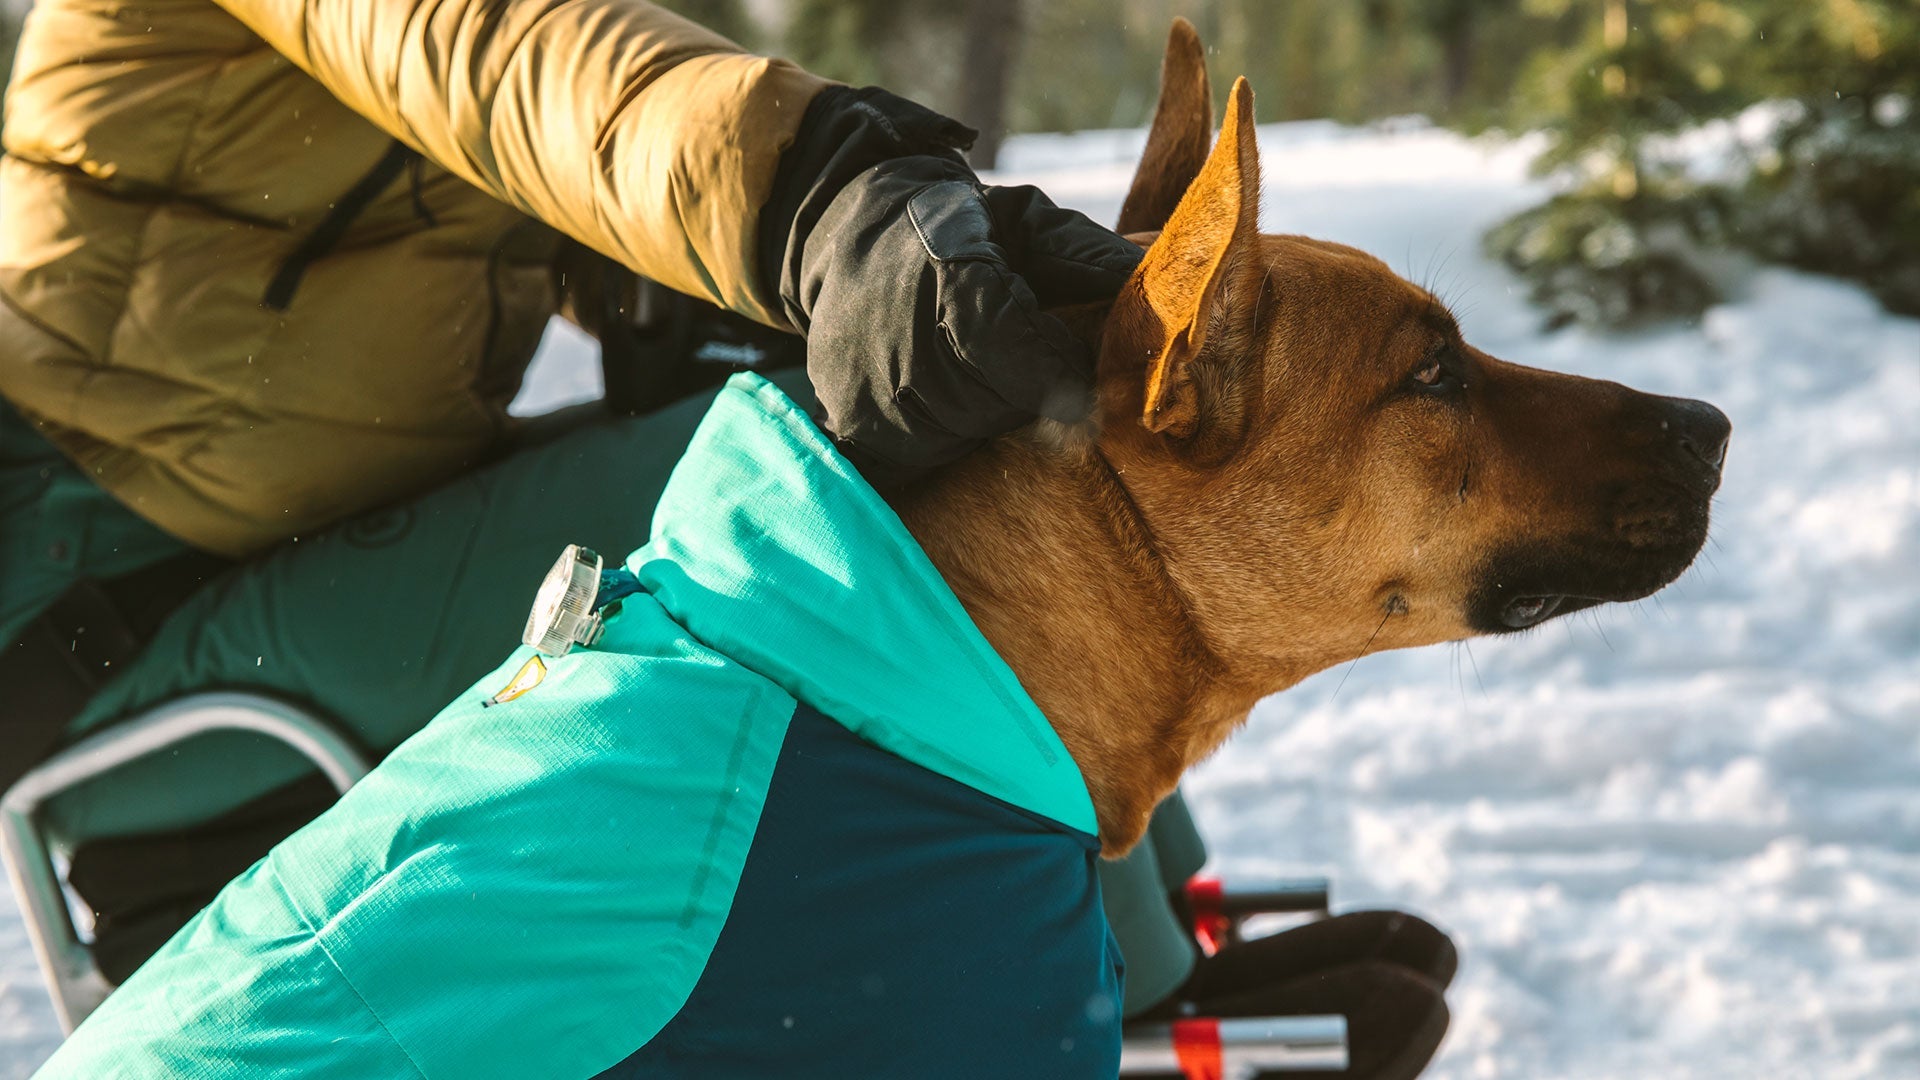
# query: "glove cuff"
(844, 132)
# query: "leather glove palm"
(921, 291)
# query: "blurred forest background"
(1828, 176)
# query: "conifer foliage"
(1831, 182)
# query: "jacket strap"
(333, 228)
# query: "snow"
(1679, 838)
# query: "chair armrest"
(1215, 910)
(73, 979)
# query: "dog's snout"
(1699, 429)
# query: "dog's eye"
(1436, 376)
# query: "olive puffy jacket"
(180, 312)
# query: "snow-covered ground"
(1677, 839)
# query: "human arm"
(638, 133)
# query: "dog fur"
(1298, 461)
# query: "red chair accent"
(1212, 927)
(1196, 1044)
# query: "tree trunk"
(1457, 58)
(986, 73)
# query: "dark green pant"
(378, 623)
(56, 525)
(1159, 949)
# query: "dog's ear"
(1177, 143)
(1211, 237)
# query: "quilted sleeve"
(637, 132)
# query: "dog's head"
(1326, 466)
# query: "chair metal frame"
(1241, 1046)
(1246, 1046)
(66, 963)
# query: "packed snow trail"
(1675, 839)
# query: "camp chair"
(1210, 1048)
(66, 962)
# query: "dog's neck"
(1047, 551)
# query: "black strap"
(88, 635)
(333, 228)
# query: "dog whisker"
(1657, 602)
(1445, 260)
(1594, 618)
(1392, 610)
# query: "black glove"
(920, 290)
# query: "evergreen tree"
(1839, 188)
(1836, 188)
(1631, 239)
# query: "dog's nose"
(1700, 430)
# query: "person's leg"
(1158, 950)
(65, 544)
(56, 526)
(1391, 937)
(1177, 844)
(1157, 945)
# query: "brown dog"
(1298, 461)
